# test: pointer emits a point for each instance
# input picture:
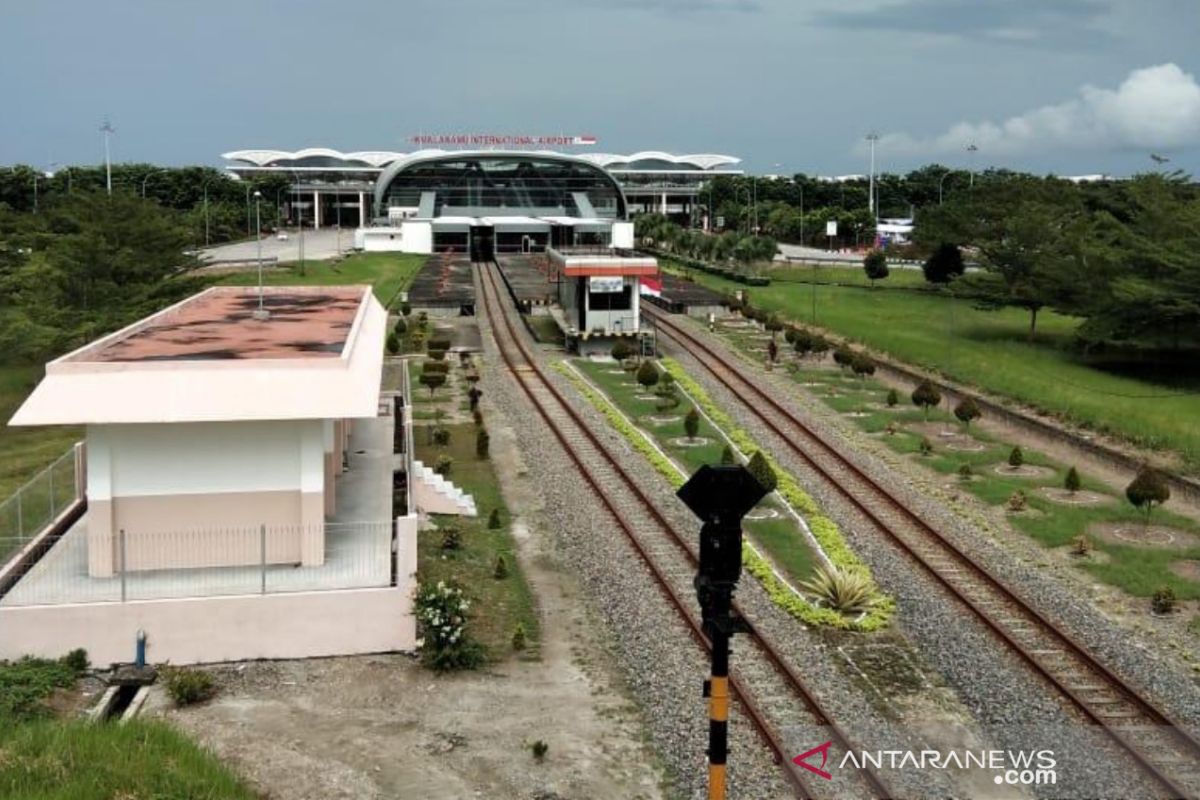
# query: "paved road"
(318, 246)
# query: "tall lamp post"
(107, 129)
(942, 181)
(971, 151)
(204, 188)
(261, 313)
(148, 176)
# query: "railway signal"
(720, 497)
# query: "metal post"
(124, 588)
(50, 477)
(20, 515)
(262, 553)
(720, 496)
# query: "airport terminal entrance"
(483, 243)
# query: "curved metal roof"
(703, 161)
(382, 158)
(425, 156)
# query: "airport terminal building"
(552, 191)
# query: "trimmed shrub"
(483, 442)
(893, 397)
(1163, 601)
(432, 380)
(500, 570)
(967, 411)
(441, 436)
(477, 416)
(691, 423)
(772, 351)
(647, 374)
(518, 638)
(789, 335)
(451, 537)
(1017, 501)
(1147, 490)
(401, 327)
(965, 473)
(863, 365)
(539, 750)
(727, 456)
(473, 395)
(1072, 483)
(1081, 545)
(493, 522)
(187, 686)
(76, 660)
(435, 366)
(621, 350)
(875, 265)
(443, 465)
(925, 446)
(406, 308)
(927, 396)
(762, 471)
(1016, 458)
(393, 343)
(843, 357)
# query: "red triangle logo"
(823, 749)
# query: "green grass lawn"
(387, 272)
(988, 349)
(43, 758)
(498, 605)
(779, 537)
(1139, 570)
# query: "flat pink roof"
(305, 322)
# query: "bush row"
(824, 530)
(720, 270)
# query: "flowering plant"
(441, 609)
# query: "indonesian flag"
(585, 139)
(651, 286)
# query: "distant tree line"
(178, 189)
(1124, 259)
(84, 265)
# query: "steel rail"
(532, 370)
(706, 356)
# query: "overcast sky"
(1069, 86)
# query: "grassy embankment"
(1138, 569)
(44, 758)
(779, 536)
(988, 349)
(498, 604)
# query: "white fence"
(154, 565)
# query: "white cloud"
(1153, 108)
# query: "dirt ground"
(384, 727)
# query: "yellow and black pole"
(720, 497)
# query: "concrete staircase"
(433, 494)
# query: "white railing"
(29, 510)
(209, 562)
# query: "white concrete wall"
(212, 629)
(204, 457)
(622, 234)
(409, 237)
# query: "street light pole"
(971, 150)
(107, 129)
(248, 209)
(261, 313)
(148, 174)
(872, 137)
(941, 182)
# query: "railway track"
(765, 686)
(1164, 750)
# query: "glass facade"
(506, 185)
